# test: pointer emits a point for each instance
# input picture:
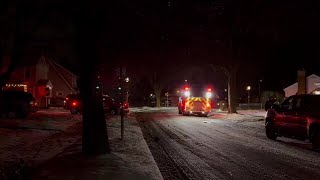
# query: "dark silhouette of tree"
(14, 42)
(89, 20)
(89, 26)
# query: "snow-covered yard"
(30, 141)
(129, 158)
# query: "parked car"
(16, 104)
(74, 104)
(69, 99)
(114, 107)
(297, 117)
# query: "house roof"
(309, 77)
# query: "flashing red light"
(209, 89)
(74, 104)
(186, 88)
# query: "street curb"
(133, 118)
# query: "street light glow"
(248, 88)
(127, 79)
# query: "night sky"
(270, 40)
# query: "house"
(304, 85)
(48, 81)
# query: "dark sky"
(270, 40)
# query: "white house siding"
(312, 83)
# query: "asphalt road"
(187, 147)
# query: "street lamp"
(248, 89)
(127, 89)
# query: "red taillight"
(208, 105)
(126, 105)
(74, 104)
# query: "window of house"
(59, 93)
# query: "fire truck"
(194, 101)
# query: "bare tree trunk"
(94, 135)
(232, 84)
(157, 87)
(158, 97)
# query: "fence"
(251, 106)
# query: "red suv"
(298, 117)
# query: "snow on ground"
(129, 159)
(214, 148)
(256, 112)
(152, 109)
(30, 141)
(241, 116)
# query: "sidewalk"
(129, 159)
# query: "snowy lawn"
(129, 159)
(28, 142)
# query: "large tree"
(89, 26)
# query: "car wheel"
(73, 111)
(316, 139)
(113, 112)
(270, 131)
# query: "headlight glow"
(187, 93)
(209, 94)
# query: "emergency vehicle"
(194, 101)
